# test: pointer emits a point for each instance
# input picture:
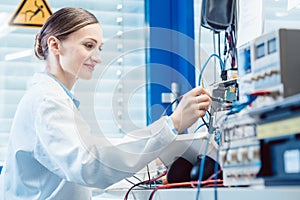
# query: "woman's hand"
(192, 106)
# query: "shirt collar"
(75, 101)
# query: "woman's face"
(80, 52)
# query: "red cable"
(144, 182)
(260, 93)
(185, 184)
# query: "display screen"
(260, 50)
(244, 61)
(272, 46)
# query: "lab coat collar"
(68, 92)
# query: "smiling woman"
(18, 63)
(79, 53)
(52, 153)
(73, 49)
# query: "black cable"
(141, 186)
(170, 104)
(137, 178)
(208, 113)
(219, 44)
(225, 46)
(149, 178)
(234, 45)
(207, 126)
(143, 182)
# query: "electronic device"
(239, 146)
(279, 133)
(218, 15)
(227, 91)
(261, 144)
(270, 63)
(239, 150)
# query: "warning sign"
(31, 13)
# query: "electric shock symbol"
(31, 13)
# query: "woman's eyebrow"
(96, 41)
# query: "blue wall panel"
(170, 57)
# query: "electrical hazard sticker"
(31, 13)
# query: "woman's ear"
(53, 45)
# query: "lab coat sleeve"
(66, 147)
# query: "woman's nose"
(96, 57)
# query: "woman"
(51, 154)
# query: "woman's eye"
(89, 46)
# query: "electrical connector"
(220, 100)
(224, 75)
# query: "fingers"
(200, 109)
(201, 113)
(202, 98)
(199, 90)
(193, 105)
(204, 106)
(203, 102)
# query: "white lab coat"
(53, 155)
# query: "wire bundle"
(206, 183)
(144, 182)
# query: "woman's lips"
(90, 67)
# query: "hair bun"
(38, 50)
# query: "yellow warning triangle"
(31, 13)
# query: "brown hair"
(60, 25)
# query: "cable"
(238, 106)
(229, 142)
(264, 93)
(215, 66)
(144, 182)
(205, 123)
(213, 176)
(144, 187)
(207, 126)
(201, 168)
(199, 33)
(137, 178)
(219, 43)
(205, 64)
(233, 40)
(206, 183)
(148, 173)
(170, 104)
(219, 100)
(200, 126)
(216, 172)
(209, 113)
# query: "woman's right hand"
(193, 105)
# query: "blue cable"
(201, 125)
(205, 64)
(202, 163)
(238, 106)
(201, 169)
(216, 173)
(207, 117)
